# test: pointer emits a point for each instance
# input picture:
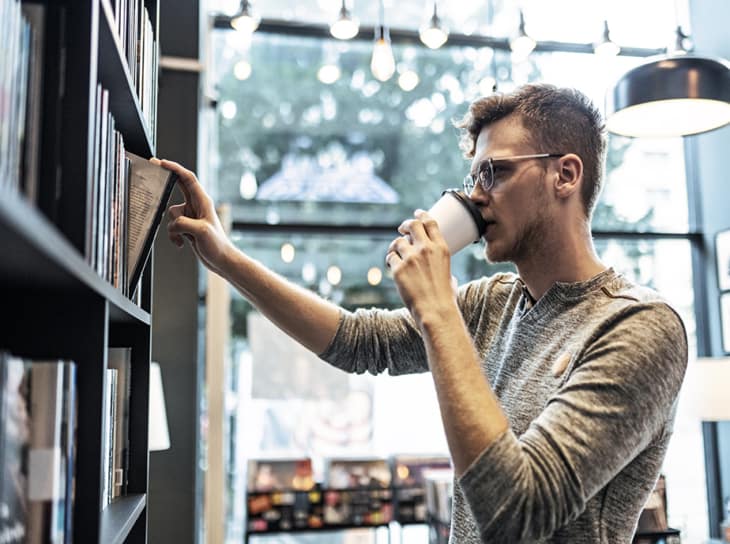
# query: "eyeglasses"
(485, 170)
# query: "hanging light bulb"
(345, 27)
(329, 73)
(433, 34)
(408, 79)
(334, 275)
(606, 47)
(522, 44)
(288, 252)
(375, 275)
(382, 63)
(245, 20)
(242, 70)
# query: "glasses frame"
(486, 168)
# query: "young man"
(557, 385)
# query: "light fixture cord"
(679, 19)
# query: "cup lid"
(479, 221)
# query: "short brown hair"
(559, 120)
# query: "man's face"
(517, 207)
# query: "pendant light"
(245, 21)
(606, 47)
(674, 95)
(433, 34)
(382, 63)
(345, 27)
(522, 44)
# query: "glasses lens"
(468, 184)
(485, 175)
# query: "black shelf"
(118, 518)
(123, 101)
(36, 253)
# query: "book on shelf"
(14, 431)
(357, 491)
(135, 31)
(357, 472)
(126, 204)
(284, 474)
(116, 242)
(37, 449)
(119, 359)
(439, 493)
(109, 438)
(409, 485)
(21, 86)
(282, 495)
(150, 188)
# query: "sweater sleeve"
(376, 340)
(618, 397)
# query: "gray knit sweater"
(588, 378)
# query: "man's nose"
(479, 196)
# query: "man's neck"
(574, 261)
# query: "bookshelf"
(55, 304)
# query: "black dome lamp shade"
(675, 95)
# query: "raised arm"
(304, 316)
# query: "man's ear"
(569, 175)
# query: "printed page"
(150, 186)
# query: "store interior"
(315, 148)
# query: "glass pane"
(559, 20)
(356, 151)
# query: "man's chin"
(494, 256)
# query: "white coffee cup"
(458, 219)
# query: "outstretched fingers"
(191, 188)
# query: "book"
(120, 360)
(35, 14)
(110, 389)
(439, 493)
(409, 484)
(68, 445)
(280, 474)
(150, 187)
(46, 471)
(357, 472)
(14, 433)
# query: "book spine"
(45, 518)
(68, 440)
(35, 13)
(14, 433)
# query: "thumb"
(184, 225)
